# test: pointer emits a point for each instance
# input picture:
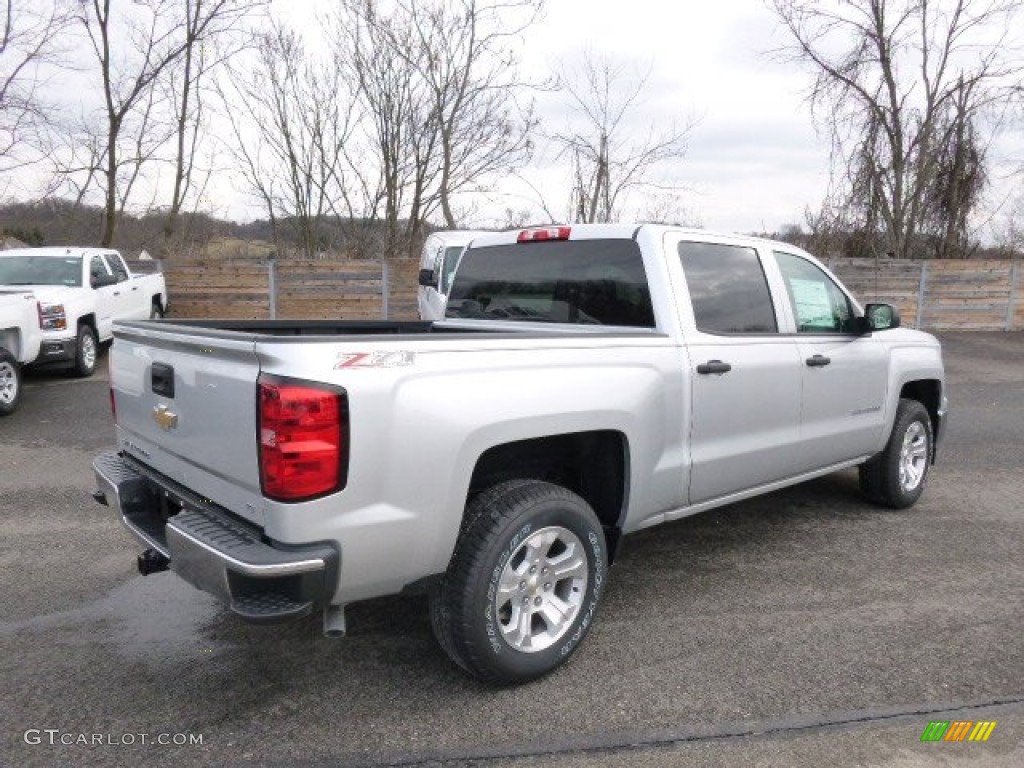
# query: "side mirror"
(102, 281)
(881, 317)
(427, 278)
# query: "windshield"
(592, 282)
(40, 270)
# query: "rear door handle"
(714, 366)
(818, 361)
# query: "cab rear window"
(587, 282)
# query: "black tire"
(10, 383)
(528, 525)
(897, 476)
(440, 614)
(86, 351)
(156, 312)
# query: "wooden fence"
(260, 289)
(941, 295)
(936, 295)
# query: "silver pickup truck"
(587, 382)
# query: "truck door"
(845, 374)
(745, 377)
(128, 303)
(106, 295)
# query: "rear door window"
(98, 267)
(728, 289)
(117, 267)
(591, 282)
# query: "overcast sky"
(754, 161)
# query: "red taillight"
(302, 434)
(544, 233)
(113, 404)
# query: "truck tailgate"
(186, 406)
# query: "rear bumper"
(261, 580)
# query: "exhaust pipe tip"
(152, 561)
(334, 621)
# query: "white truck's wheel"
(86, 351)
(10, 382)
(524, 583)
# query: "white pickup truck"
(20, 338)
(589, 381)
(81, 293)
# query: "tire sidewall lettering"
(597, 580)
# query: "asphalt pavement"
(802, 628)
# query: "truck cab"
(438, 262)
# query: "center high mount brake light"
(544, 233)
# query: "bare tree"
(136, 48)
(609, 154)
(441, 93)
(910, 93)
(213, 33)
(132, 50)
(471, 71)
(384, 60)
(32, 35)
(290, 142)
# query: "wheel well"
(928, 392)
(591, 464)
(89, 320)
(159, 304)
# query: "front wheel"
(524, 583)
(896, 477)
(10, 383)
(86, 351)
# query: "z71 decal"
(374, 360)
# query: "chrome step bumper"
(213, 551)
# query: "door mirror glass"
(881, 317)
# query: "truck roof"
(63, 250)
(623, 231)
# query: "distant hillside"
(60, 222)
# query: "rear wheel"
(524, 582)
(86, 351)
(897, 476)
(155, 310)
(10, 383)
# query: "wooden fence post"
(1011, 302)
(922, 292)
(272, 286)
(385, 287)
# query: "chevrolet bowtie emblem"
(165, 418)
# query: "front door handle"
(818, 361)
(714, 366)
